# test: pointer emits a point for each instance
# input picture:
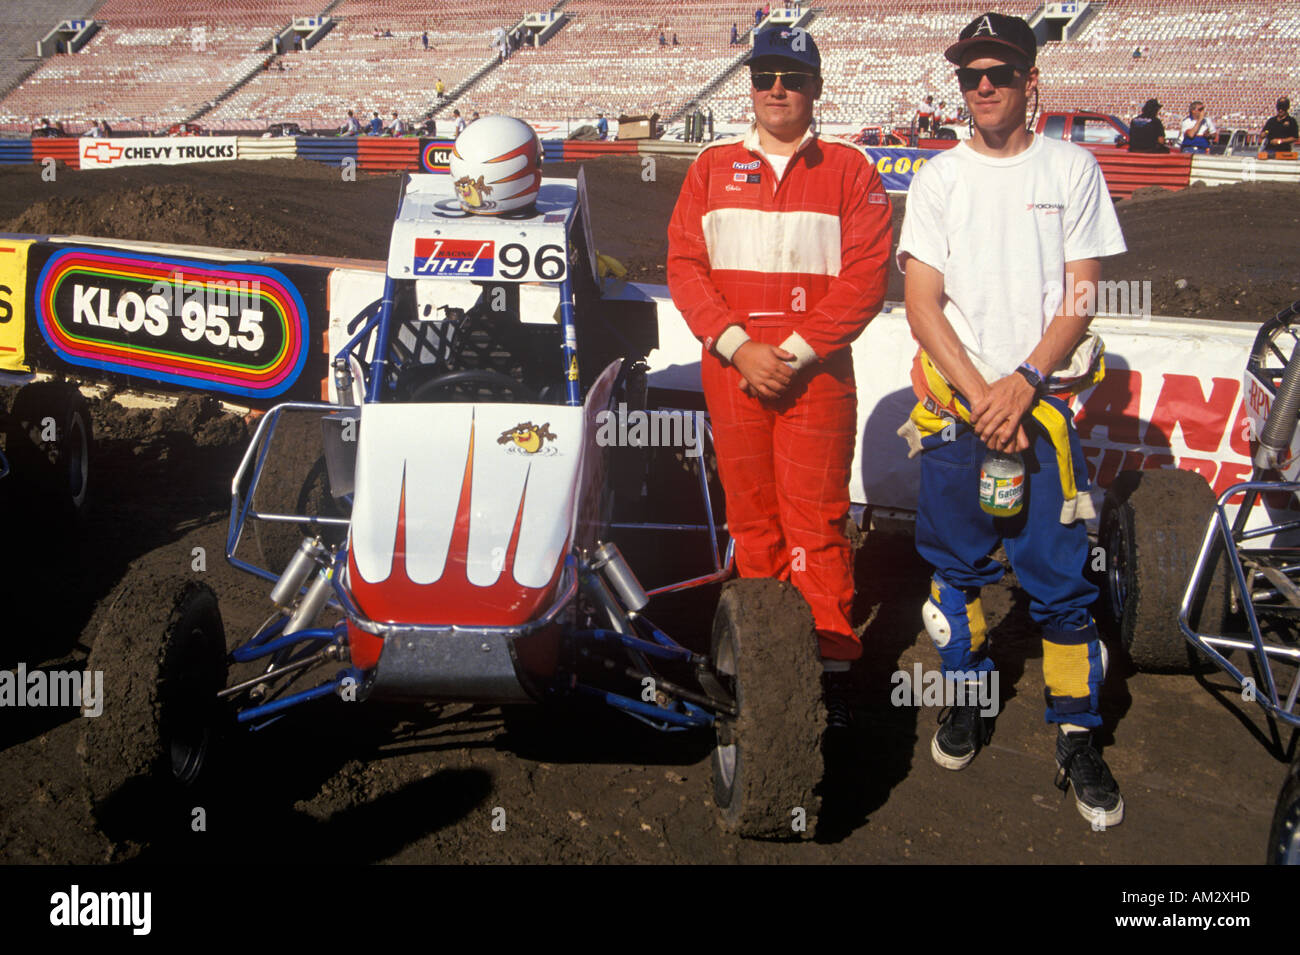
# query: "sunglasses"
(794, 82)
(969, 79)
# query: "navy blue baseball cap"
(789, 43)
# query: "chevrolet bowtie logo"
(102, 152)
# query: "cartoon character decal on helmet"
(496, 166)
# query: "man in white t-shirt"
(924, 114)
(1197, 131)
(1001, 246)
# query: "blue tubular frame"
(379, 361)
(569, 346)
(315, 693)
(262, 645)
(652, 714)
(668, 651)
(1220, 532)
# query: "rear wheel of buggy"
(161, 648)
(55, 418)
(1152, 525)
(1284, 834)
(767, 761)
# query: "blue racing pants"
(1048, 557)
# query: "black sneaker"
(838, 693)
(962, 731)
(1095, 791)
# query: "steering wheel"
(426, 390)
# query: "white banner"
(1172, 397)
(155, 150)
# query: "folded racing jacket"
(813, 245)
(940, 404)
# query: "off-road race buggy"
(1188, 579)
(449, 530)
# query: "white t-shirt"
(1185, 130)
(1001, 230)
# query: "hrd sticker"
(467, 257)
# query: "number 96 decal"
(482, 258)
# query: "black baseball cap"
(789, 43)
(1000, 30)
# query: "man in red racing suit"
(777, 257)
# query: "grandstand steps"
(713, 84)
(450, 100)
(810, 15)
(234, 87)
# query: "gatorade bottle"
(1002, 484)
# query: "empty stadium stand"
(353, 69)
(154, 62)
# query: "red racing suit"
(798, 262)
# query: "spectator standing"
(735, 35)
(95, 132)
(440, 88)
(924, 113)
(104, 128)
(675, 43)
(1197, 130)
(460, 121)
(1280, 132)
(758, 16)
(663, 41)
(1146, 134)
(424, 38)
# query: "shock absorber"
(311, 557)
(1276, 435)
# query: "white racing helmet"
(496, 165)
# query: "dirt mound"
(179, 210)
(199, 416)
(1222, 252)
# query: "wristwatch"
(1034, 377)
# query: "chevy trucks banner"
(152, 151)
(897, 163)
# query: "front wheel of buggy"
(161, 648)
(1284, 834)
(767, 762)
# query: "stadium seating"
(352, 69)
(157, 61)
(608, 58)
(153, 62)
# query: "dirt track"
(419, 784)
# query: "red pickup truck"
(1091, 130)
